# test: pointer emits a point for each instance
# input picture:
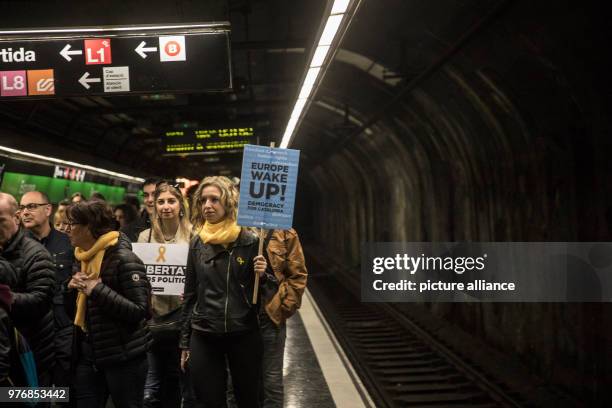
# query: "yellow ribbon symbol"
(161, 257)
(240, 260)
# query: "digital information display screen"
(208, 140)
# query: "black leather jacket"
(219, 287)
(118, 307)
(32, 311)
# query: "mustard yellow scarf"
(91, 261)
(224, 232)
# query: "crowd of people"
(73, 289)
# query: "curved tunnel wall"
(505, 142)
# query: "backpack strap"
(150, 231)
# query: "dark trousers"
(274, 351)
(207, 362)
(62, 376)
(63, 356)
(124, 382)
(189, 398)
(162, 384)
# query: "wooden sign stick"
(259, 252)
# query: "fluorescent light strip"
(327, 37)
(339, 6)
(331, 28)
(309, 81)
(69, 163)
(109, 29)
(298, 108)
(319, 56)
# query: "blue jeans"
(273, 356)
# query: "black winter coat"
(7, 278)
(6, 331)
(219, 287)
(118, 307)
(32, 309)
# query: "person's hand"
(184, 358)
(260, 265)
(77, 281)
(89, 284)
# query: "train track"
(400, 364)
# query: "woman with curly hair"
(220, 322)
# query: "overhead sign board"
(203, 140)
(189, 58)
(267, 187)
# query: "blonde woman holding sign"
(169, 225)
(220, 321)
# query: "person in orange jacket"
(286, 257)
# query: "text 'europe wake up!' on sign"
(267, 187)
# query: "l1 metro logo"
(267, 187)
(98, 51)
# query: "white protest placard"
(166, 266)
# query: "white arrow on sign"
(141, 49)
(85, 80)
(66, 53)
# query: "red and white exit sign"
(98, 51)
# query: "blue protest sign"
(267, 187)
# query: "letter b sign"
(172, 48)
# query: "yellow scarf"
(224, 232)
(91, 261)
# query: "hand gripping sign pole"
(259, 252)
(267, 191)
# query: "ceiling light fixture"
(319, 56)
(72, 164)
(317, 65)
(340, 6)
(331, 28)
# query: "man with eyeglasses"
(31, 311)
(133, 229)
(35, 213)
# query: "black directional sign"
(111, 61)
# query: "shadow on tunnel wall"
(507, 140)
